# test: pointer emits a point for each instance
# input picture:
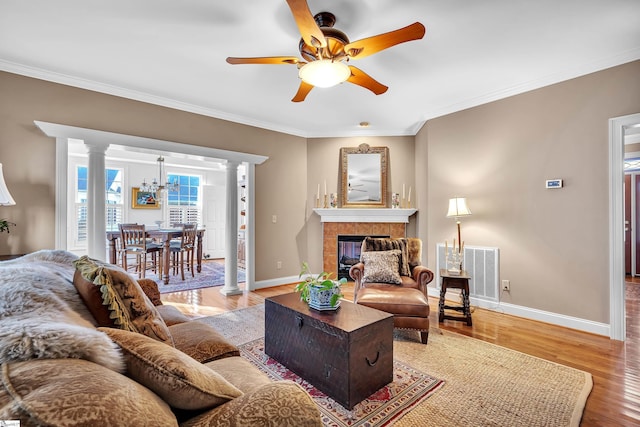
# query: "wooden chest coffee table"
(347, 353)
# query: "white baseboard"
(535, 314)
(275, 282)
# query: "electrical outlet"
(278, 265)
(506, 285)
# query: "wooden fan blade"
(309, 30)
(370, 45)
(264, 60)
(360, 78)
(303, 91)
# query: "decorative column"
(231, 233)
(96, 219)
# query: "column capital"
(96, 147)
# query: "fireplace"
(349, 253)
(357, 222)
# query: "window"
(185, 205)
(631, 164)
(113, 202)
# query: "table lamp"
(458, 208)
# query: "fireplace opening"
(349, 247)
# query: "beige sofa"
(82, 344)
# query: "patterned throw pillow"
(74, 392)
(129, 308)
(177, 378)
(202, 342)
(381, 267)
(386, 244)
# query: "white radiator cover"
(482, 264)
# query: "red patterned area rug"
(409, 387)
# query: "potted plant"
(320, 292)
(4, 225)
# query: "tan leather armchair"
(408, 301)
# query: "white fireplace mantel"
(364, 215)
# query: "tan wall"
(553, 243)
(323, 158)
(28, 157)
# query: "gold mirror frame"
(372, 180)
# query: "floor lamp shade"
(5, 196)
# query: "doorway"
(619, 128)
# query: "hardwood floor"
(614, 365)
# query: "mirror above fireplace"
(363, 176)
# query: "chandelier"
(156, 183)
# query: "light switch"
(274, 219)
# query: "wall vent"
(482, 264)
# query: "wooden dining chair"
(134, 241)
(183, 251)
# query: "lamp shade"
(5, 196)
(324, 73)
(458, 207)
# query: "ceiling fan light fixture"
(324, 73)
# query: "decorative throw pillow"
(381, 267)
(128, 306)
(180, 380)
(72, 392)
(201, 341)
(92, 298)
(386, 244)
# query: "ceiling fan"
(325, 51)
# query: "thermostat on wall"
(554, 183)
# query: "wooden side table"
(461, 282)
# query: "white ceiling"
(173, 53)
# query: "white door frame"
(617, 314)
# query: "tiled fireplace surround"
(331, 230)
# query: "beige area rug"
(485, 385)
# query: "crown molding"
(566, 74)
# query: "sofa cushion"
(201, 341)
(386, 244)
(72, 392)
(381, 267)
(180, 380)
(128, 306)
(281, 403)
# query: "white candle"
(325, 187)
(318, 194)
(409, 198)
(402, 191)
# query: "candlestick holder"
(317, 202)
(326, 201)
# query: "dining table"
(164, 235)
